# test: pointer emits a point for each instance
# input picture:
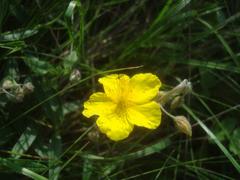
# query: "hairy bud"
(183, 125)
(8, 84)
(75, 75)
(176, 102)
(19, 94)
(93, 135)
(28, 88)
(185, 87)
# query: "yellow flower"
(125, 103)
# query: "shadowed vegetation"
(53, 52)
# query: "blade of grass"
(155, 148)
(214, 138)
(54, 152)
(24, 142)
(222, 40)
(19, 166)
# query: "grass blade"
(214, 138)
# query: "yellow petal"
(145, 87)
(114, 126)
(115, 85)
(98, 104)
(146, 115)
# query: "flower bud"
(183, 88)
(28, 88)
(75, 75)
(176, 102)
(19, 94)
(159, 95)
(93, 135)
(8, 84)
(183, 125)
(188, 88)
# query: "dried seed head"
(183, 125)
(75, 75)
(28, 88)
(8, 84)
(19, 94)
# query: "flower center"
(121, 107)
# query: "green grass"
(43, 135)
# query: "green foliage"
(29, 168)
(24, 142)
(43, 134)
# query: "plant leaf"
(24, 142)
